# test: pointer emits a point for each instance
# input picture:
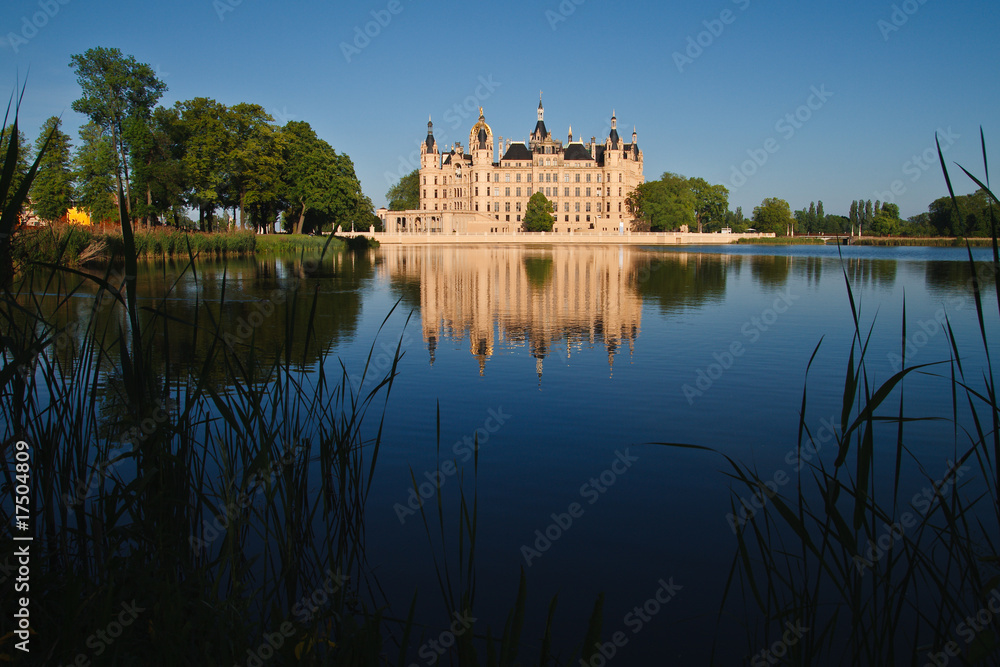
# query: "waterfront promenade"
(628, 238)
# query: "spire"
(541, 109)
(570, 134)
(614, 120)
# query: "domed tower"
(481, 141)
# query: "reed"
(808, 556)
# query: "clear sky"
(709, 86)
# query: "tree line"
(198, 155)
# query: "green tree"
(95, 165)
(52, 189)
(773, 215)
(538, 214)
(820, 217)
(116, 90)
(254, 161)
(405, 195)
(204, 158)
(666, 204)
(321, 187)
(711, 202)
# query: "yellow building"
(480, 191)
(76, 216)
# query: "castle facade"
(485, 188)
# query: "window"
(588, 207)
(519, 192)
(517, 207)
(598, 178)
(578, 218)
(529, 178)
(588, 177)
(519, 218)
(619, 207)
(496, 192)
(566, 192)
(506, 206)
(506, 192)
(425, 180)
(578, 178)
(599, 206)
(548, 178)
(506, 177)
(435, 194)
(619, 192)
(566, 178)
(477, 206)
(496, 207)
(477, 191)
(588, 220)
(566, 208)
(530, 192)
(425, 193)
(619, 178)
(567, 218)
(508, 218)
(577, 193)
(435, 180)
(517, 177)
(577, 207)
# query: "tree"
(666, 204)
(886, 222)
(773, 215)
(255, 159)
(115, 89)
(868, 217)
(95, 165)
(206, 147)
(820, 217)
(538, 214)
(711, 201)
(52, 189)
(405, 195)
(854, 216)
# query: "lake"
(563, 364)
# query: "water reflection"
(517, 297)
(267, 303)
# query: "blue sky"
(709, 86)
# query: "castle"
(475, 192)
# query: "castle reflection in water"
(513, 297)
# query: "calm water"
(567, 361)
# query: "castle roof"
(518, 151)
(540, 129)
(577, 151)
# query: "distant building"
(474, 192)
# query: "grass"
(73, 245)
(877, 577)
(211, 519)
